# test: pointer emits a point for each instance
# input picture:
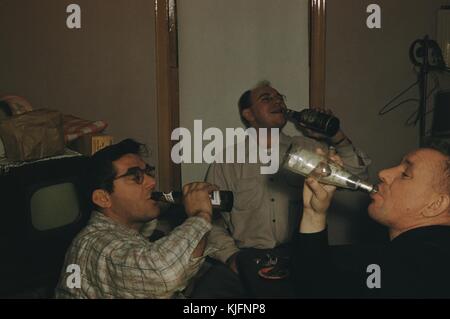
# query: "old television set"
(44, 204)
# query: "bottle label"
(168, 197)
(215, 198)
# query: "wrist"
(312, 222)
(339, 139)
(206, 216)
(338, 142)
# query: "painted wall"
(105, 70)
(226, 47)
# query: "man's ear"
(101, 198)
(440, 204)
(248, 115)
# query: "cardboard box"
(91, 143)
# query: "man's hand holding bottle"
(316, 200)
(196, 199)
(337, 139)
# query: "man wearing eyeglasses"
(265, 209)
(112, 253)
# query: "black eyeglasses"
(269, 98)
(138, 173)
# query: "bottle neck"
(171, 197)
(292, 116)
(370, 188)
(221, 200)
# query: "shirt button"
(273, 220)
(272, 199)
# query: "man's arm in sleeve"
(165, 266)
(355, 160)
(314, 273)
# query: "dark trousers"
(250, 261)
(220, 282)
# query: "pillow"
(75, 127)
(17, 104)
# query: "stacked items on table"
(29, 135)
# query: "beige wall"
(365, 69)
(105, 70)
(226, 47)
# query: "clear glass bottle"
(220, 200)
(307, 163)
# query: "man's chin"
(153, 212)
(373, 208)
(282, 121)
(375, 212)
(156, 212)
(276, 120)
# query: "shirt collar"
(101, 220)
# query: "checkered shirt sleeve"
(116, 262)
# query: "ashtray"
(273, 272)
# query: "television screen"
(43, 206)
(54, 206)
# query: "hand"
(339, 136)
(316, 200)
(196, 199)
(339, 139)
(312, 134)
(316, 197)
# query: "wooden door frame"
(317, 49)
(167, 92)
(167, 85)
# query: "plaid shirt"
(118, 262)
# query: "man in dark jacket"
(413, 202)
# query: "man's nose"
(149, 181)
(386, 175)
